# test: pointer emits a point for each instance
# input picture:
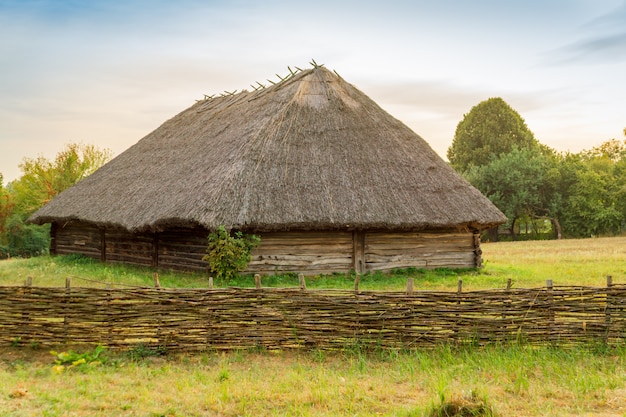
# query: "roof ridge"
(260, 86)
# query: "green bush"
(24, 240)
(228, 255)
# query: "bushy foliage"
(70, 359)
(24, 240)
(491, 128)
(582, 194)
(41, 181)
(227, 254)
(594, 200)
(514, 181)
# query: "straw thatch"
(309, 153)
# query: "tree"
(596, 198)
(41, 181)
(491, 128)
(6, 207)
(521, 183)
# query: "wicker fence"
(198, 319)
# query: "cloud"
(604, 43)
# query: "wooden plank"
(358, 254)
(78, 238)
(306, 252)
(385, 251)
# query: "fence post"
(108, 316)
(357, 280)
(25, 313)
(259, 338)
(302, 281)
(409, 286)
(157, 284)
(210, 283)
(505, 308)
(609, 306)
(550, 308)
(457, 327)
(66, 322)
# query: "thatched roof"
(309, 153)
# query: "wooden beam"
(358, 257)
(53, 238)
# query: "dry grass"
(566, 262)
(511, 382)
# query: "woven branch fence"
(200, 319)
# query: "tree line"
(543, 193)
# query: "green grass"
(527, 264)
(515, 381)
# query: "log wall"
(77, 238)
(428, 250)
(123, 247)
(310, 253)
(182, 249)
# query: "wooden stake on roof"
(315, 64)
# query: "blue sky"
(110, 72)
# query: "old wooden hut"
(329, 180)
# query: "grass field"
(528, 264)
(510, 381)
(515, 381)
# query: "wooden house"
(327, 179)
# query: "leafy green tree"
(491, 128)
(41, 181)
(6, 208)
(521, 183)
(228, 255)
(596, 198)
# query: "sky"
(108, 72)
